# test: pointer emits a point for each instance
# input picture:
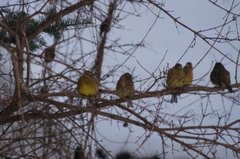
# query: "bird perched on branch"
(175, 79)
(188, 74)
(125, 87)
(124, 155)
(49, 54)
(88, 85)
(221, 77)
(79, 153)
(101, 154)
(105, 26)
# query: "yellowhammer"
(188, 74)
(221, 77)
(125, 87)
(174, 79)
(88, 85)
(49, 54)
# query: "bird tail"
(230, 90)
(92, 101)
(129, 104)
(174, 98)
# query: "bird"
(49, 54)
(125, 87)
(87, 85)
(79, 153)
(106, 23)
(188, 74)
(174, 79)
(101, 154)
(124, 155)
(105, 26)
(221, 77)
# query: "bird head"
(178, 66)
(189, 64)
(127, 75)
(219, 66)
(88, 73)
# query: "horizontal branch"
(142, 95)
(102, 103)
(79, 110)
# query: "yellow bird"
(49, 54)
(175, 79)
(125, 87)
(221, 77)
(88, 85)
(188, 74)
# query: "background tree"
(46, 117)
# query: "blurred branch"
(57, 16)
(74, 110)
(105, 103)
(104, 30)
(196, 33)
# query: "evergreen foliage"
(13, 18)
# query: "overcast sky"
(171, 38)
(165, 37)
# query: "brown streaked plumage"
(49, 54)
(221, 77)
(174, 79)
(188, 74)
(125, 87)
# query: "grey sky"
(164, 36)
(167, 36)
